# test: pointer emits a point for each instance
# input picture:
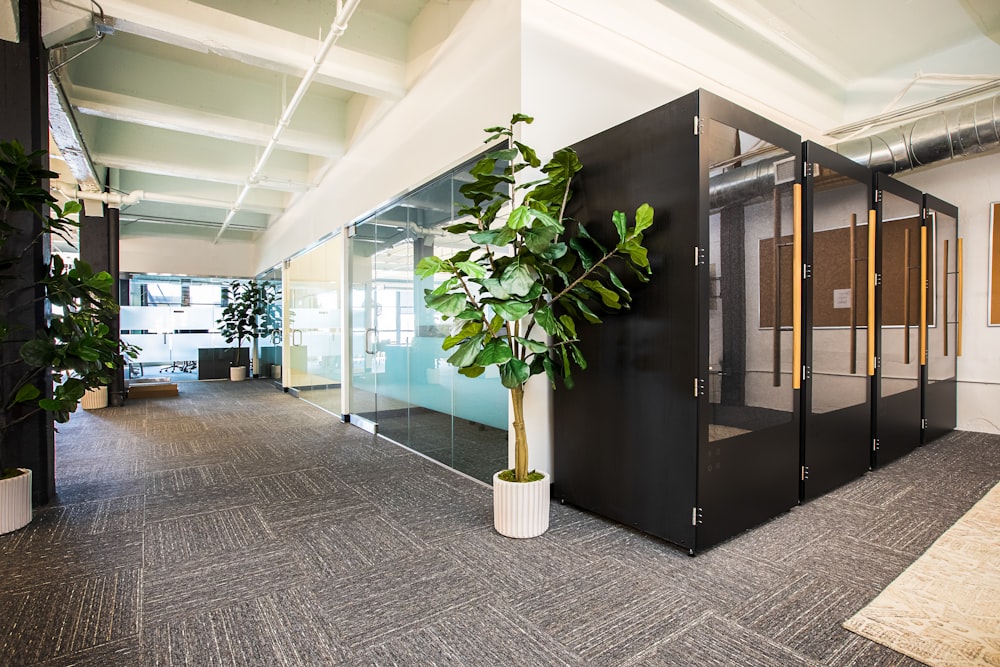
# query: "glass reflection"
(750, 314)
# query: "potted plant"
(75, 344)
(519, 295)
(244, 318)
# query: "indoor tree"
(248, 314)
(519, 296)
(75, 344)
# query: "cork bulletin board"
(995, 265)
(834, 300)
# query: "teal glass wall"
(401, 383)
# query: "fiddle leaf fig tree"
(246, 315)
(517, 296)
(75, 344)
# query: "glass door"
(837, 414)
(749, 449)
(313, 318)
(381, 274)
(940, 348)
(899, 214)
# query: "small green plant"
(75, 344)
(528, 266)
(249, 314)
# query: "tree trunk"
(520, 436)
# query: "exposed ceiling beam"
(187, 170)
(190, 25)
(116, 106)
(66, 135)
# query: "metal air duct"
(945, 135)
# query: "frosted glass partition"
(401, 382)
(314, 316)
(166, 335)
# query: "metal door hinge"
(699, 127)
(878, 196)
(699, 387)
(696, 516)
(699, 256)
(807, 271)
(874, 444)
(806, 372)
(927, 213)
(810, 169)
(878, 279)
(805, 473)
(923, 423)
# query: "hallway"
(236, 525)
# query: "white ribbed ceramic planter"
(15, 502)
(521, 509)
(95, 399)
(237, 373)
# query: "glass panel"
(270, 347)
(942, 272)
(401, 379)
(840, 294)
(750, 310)
(900, 355)
(314, 325)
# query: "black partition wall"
(941, 316)
(897, 423)
(836, 392)
(685, 424)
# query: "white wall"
(971, 185)
(186, 256)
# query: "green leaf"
(446, 304)
(487, 237)
(472, 371)
(428, 266)
(495, 351)
(28, 392)
(621, 224)
(554, 251)
(461, 227)
(505, 154)
(468, 330)
(538, 241)
(520, 217)
(495, 287)
(643, 217)
(588, 314)
(528, 153)
(517, 279)
(510, 310)
(467, 352)
(472, 270)
(514, 373)
(608, 297)
(547, 321)
(569, 324)
(521, 118)
(636, 252)
(534, 346)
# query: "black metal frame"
(835, 445)
(631, 440)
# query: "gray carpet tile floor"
(236, 525)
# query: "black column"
(99, 248)
(24, 116)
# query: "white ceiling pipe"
(337, 28)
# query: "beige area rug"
(944, 610)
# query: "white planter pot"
(15, 502)
(521, 509)
(95, 399)
(276, 371)
(237, 373)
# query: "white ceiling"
(180, 97)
